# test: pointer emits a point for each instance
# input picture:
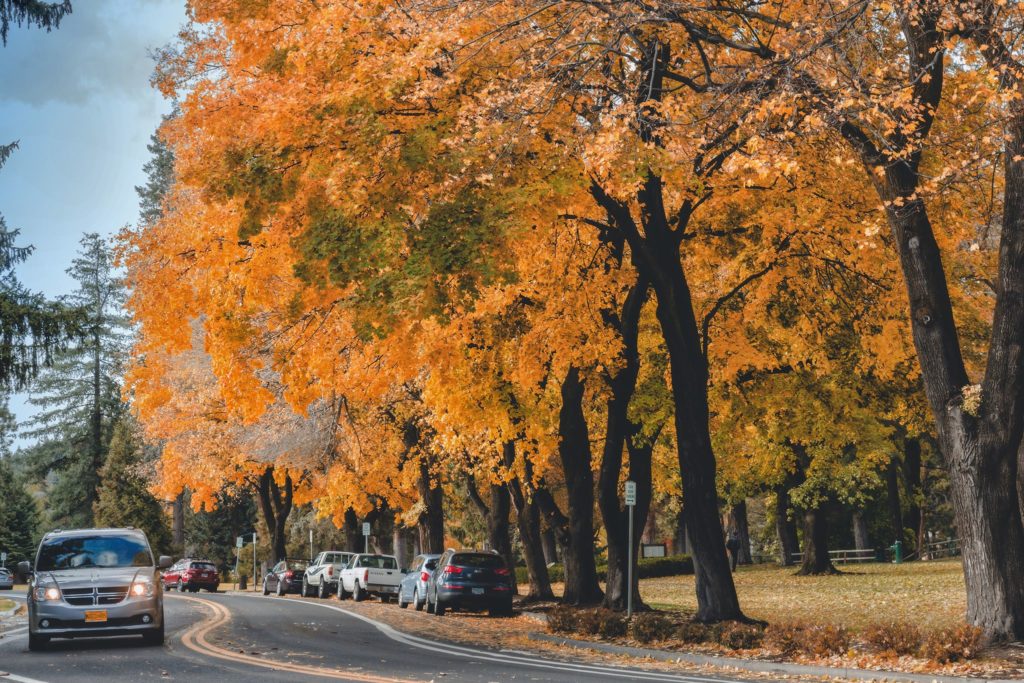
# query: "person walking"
(733, 545)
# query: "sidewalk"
(763, 667)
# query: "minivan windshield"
(93, 551)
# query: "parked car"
(413, 589)
(321, 577)
(470, 580)
(192, 575)
(285, 577)
(370, 575)
(6, 579)
(95, 582)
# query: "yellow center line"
(195, 639)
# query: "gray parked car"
(6, 579)
(413, 589)
(95, 582)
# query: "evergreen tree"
(19, 516)
(159, 178)
(80, 395)
(123, 497)
(211, 534)
(32, 12)
(31, 328)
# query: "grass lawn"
(929, 594)
(6, 604)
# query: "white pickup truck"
(321, 577)
(369, 575)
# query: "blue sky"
(79, 102)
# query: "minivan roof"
(105, 531)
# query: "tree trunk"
(912, 485)
(276, 504)
(785, 527)
(428, 485)
(353, 534)
(575, 532)
(861, 540)
(816, 557)
(738, 523)
(528, 523)
(549, 545)
(178, 522)
(401, 551)
(893, 496)
(495, 514)
(620, 432)
(681, 540)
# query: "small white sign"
(238, 542)
(3, 557)
(366, 528)
(630, 493)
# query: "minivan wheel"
(357, 593)
(154, 637)
(37, 642)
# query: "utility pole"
(254, 561)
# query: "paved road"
(242, 639)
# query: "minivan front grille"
(102, 595)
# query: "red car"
(191, 575)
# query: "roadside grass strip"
(195, 639)
(507, 657)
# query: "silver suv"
(95, 582)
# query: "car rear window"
(483, 560)
(296, 565)
(93, 551)
(204, 565)
(430, 564)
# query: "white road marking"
(8, 676)
(13, 632)
(492, 656)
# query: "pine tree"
(19, 516)
(123, 497)
(31, 328)
(80, 395)
(32, 12)
(159, 178)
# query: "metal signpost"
(366, 537)
(3, 559)
(630, 503)
(254, 561)
(310, 544)
(238, 553)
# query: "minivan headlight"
(142, 588)
(46, 593)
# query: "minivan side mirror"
(165, 562)
(25, 567)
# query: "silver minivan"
(95, 582)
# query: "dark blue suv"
(470, 580)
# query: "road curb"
(757, 666)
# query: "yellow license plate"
(95, 616)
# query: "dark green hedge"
(648, 568)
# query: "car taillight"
(424, 576)
(501, 571)
(452, 569)
(330, 570)
(366, 576)
(288, 574)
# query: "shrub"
(612, 624)
(896, 637)
(954, 644)
(650, 626)
(826, 640)
(739, 636)
(588, 621)
(693, 632)
(563, 619)
(786, 639)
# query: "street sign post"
(254, 561)
(3, 559)
(366, 537)
(238, 542)
(630, 503)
